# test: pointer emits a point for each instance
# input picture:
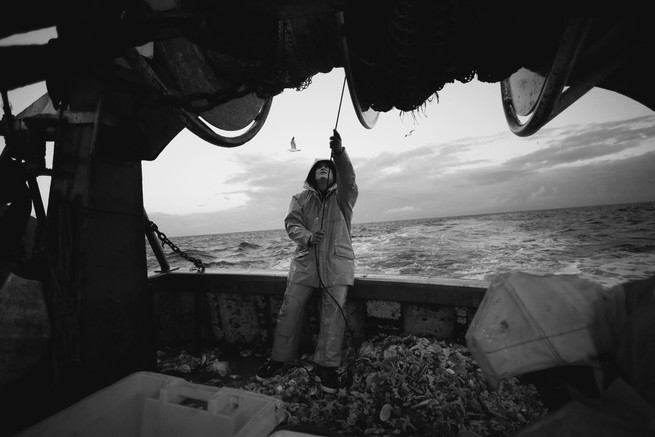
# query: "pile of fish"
(390, 385)
(406, 385)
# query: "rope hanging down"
(340, 102)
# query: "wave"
(244, 245)
(194, 253)
(220, 264)
(607, 244)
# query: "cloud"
(576, 165)
(543, 193)
(589, 142)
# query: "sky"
(455, 156)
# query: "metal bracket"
(188, 119)
(527, 93)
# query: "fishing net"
(413, 48)
(402, 52)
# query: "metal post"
(156, 245)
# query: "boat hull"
(239, 308)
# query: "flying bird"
(409, 133)
(293, 145)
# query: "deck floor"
(555, 385)
(242, 371)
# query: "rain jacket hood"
(310, 181)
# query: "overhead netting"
(402, 52)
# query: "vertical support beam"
(97, 257)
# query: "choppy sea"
(607, 244)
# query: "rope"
(340, 102)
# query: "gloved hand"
(335, 143)
(316, 238)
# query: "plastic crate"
(147, 404)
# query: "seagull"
(409, 133)
(293, 145)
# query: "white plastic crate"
(147, 404)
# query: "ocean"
(607, 244)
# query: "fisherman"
(319, 221)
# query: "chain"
(197, 262)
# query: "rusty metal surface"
(525, 87)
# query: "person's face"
(324, 173)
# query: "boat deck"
(241, 367)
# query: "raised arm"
(346, 183)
